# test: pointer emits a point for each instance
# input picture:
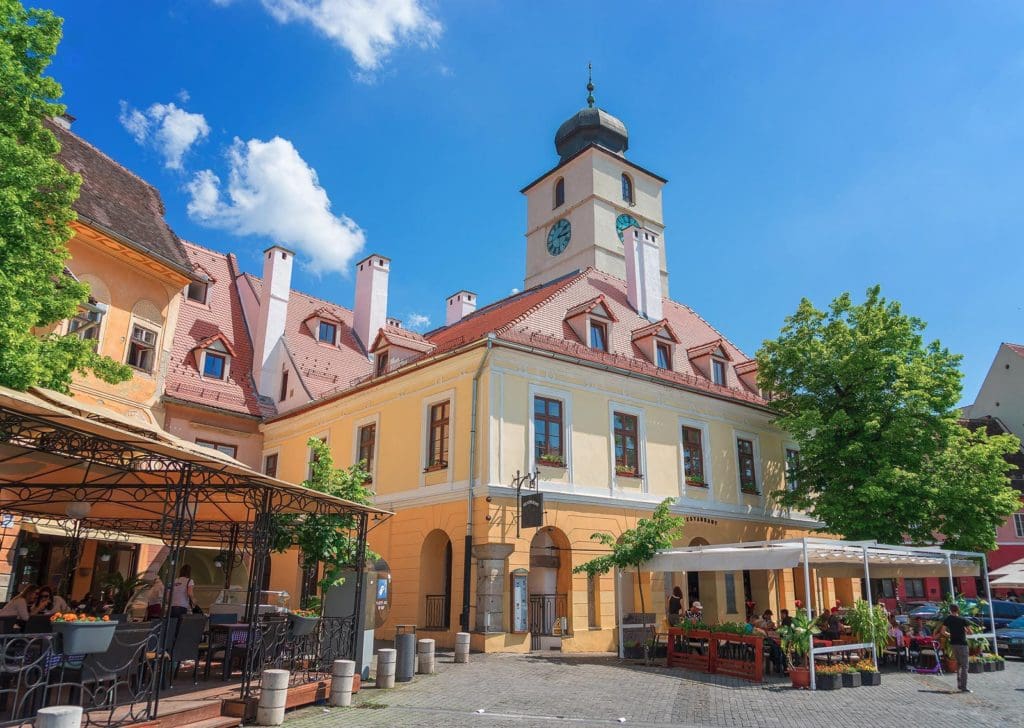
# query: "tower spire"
(590, 85)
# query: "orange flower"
(106, 618)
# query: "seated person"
(921, 629)
(832, 627)
(896, 633)
(23, 604)
(47, 602)
(767, 623)
(695, 613)
(773, 650)
(784, 619)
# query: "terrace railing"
(437, 612)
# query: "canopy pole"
(952, 582)
(807, 606)
(618, 607)
(871, 604)
(988, 597)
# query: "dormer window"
(718, 372)
(627, 189)
(215, 358)
(214, 365)
(382, 363)
(197, 291)
(559, 192)
(664, 356)
(598, 335)
(327, 332)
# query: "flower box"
(975, 667)
(83, 638)
(870, 678)
(1000, 665)
(988, 666)
(851, 679)
(301, 626)
(551, 461)
(828, 682)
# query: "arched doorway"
(436, 581)
(548, 583)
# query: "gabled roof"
(589, 306)
(1016, 348)
(219, 319)
(746, 367)
(116, 200)
(655, 329)
(708, 349)
(397, 336)
(324, 313)
(208, 342)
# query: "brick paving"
(538, 690)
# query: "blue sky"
(811, 148)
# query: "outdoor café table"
(233, 634)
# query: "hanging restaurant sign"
(533, 510)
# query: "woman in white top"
(181, 593)
(47, 602)
(19, 606)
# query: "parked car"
(1005, 613)
(1010, 639)
(926, 611)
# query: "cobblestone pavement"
(520, 691)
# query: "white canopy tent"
(864, 559)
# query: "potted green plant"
(551, 460)
(81, 635)
(869, 624)
(975, 664)
(850, 676)
(626, 471)
(869, 674)
(302, 622)
(998, 662)
(633, 650)
(120, 589)
(796, 645)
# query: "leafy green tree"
(636, 546)
(36, 194)
(327, 539)
(882, 455)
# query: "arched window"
(627, 189)
(559, 192)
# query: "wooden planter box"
(851, 679)
(83, 638)
(828, 682)
(870, 678)
(737, 655)
(691, 656)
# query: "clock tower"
(576, 212)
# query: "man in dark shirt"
(956, 627)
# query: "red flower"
(798, 603)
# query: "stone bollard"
(59, 716)
(385, 668)
(342, 675)
(425, 654)
(462, 647)
(273, 694)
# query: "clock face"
(625, 221)
(558, 236)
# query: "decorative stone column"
(491, 578)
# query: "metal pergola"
(93, 470)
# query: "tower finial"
(590, 85)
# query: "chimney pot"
(369, 315)
(459, 305)
(273, 314)
(643, 272)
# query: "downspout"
(467, 567)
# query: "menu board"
(520, 599)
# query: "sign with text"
(533, 510)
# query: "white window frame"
(705, 443)
(565, 397)
(359, 424)
(152, 328)
(725, 374)
(227, 365)
(641, 444)
(103, 309)
(425, 405)
(607, 324)
(1018, 524)
(337, 330)
(758, 468)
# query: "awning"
(53, 528)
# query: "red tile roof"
(397, 336)
(1018, 348)
(118, 200)
(201, 324)
(654, 329)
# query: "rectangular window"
(327, 332)
(1018, 524)
(284, 386)
(627, 460)
(598, 336)
(792, 467)
(547, 431)
(142, 348)
(664, 356)
(437, 445)
(214, 365)
(748, 475)
(86, 325)
(196, 291)
(231, 450)
(717, 372)
(914, 588)
(382, 363)
(367, 443)
(693, 456)
(270, 465)
(730, 593)
(883, 588)
(594, 602)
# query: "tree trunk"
(643, 618)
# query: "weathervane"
(590, 85)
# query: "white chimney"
(643, 272)
(458, 306)
(277, 285)
(371, 309)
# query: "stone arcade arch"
(436, 582)
(550, 584)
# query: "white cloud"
(418, 321)
(184, 96)
(513, 292)
(368, 29)
(167, 128)
(273, 192)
